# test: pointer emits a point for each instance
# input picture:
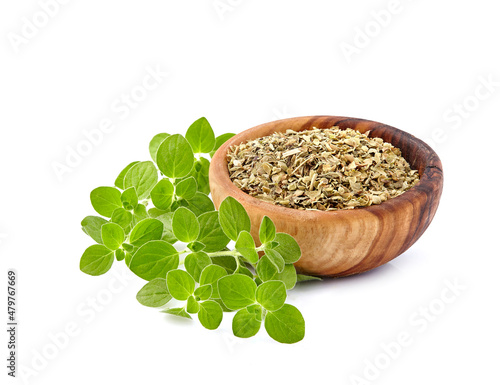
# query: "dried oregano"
(320, 169)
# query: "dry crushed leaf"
(320, 169)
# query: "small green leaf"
(175, 157)
(168, 233)
(210, 314)
(185, 225)
(119, 255)
(96, 260)
(271, 295)
(288, 276)
(112, 235)
(266, 270)
(148, 229)
(119, 180)
(178, 311)
(245, 245)
(227, 262)
(128, 258)
(200, 136)
(195, 263)
(155, 143)
(233, 218)
(196, 246)
(288, 247)
(91, 226)
(267, 230)
(243, 270)
(203, 293)
(219, 141)
(129, 199)
(186, 188)
(199, 204)
(122, 217)
(105, 200)
(200, 173)
(211, 234)
(154, 259)
(237, 291)
(210, 275)
(276, 259)
(304, 278)
(245, 324)
(257, 311)
(154, 293)
(162, 194)
(128, 247)
(192, 305)
(143, 176)
(139, 213)
(180, 284)
(285, 325)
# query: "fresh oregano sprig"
(155, 204)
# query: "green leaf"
(105, 200)
(271, 295)
(245, 324)
(200, 173)
(129, 198)
(237, 291)
(162, 194)
(148, 229)
(266, 270)
(211, 233)
(178, 311)
(210, 314)
(304, 278)
(139, 214)
(185, 225)
(227, 262)
(244, 270)
(154, 259)
(128, 247)
(285, 325)
(203, 293)
(276, 259)
(267, 230)
(245, 245)
(199, 204)
(154, 293)
(186, 188)
(120, 179)
(143, 176)
(112, 235)
(210, 275)
(257, 311)
(96, 260)
(91, 226)
(195, 263)
(122, 217)
(219, 141)
(128, 258)
(288, 247)
(288, 276)
(175, 157)
(119, 255)
(196, 246)
(168, 233)
(233, 218)
(155, 143)
(192, 305)
(200, 136)
(180, 284)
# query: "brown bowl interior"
(344, 242)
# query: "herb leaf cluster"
(156, 204)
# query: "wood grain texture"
(345, 242)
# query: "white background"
(246, 64)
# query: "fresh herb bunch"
(206, 275)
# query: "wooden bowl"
(344, 242)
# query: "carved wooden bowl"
(344, 242)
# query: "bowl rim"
(429, 179)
